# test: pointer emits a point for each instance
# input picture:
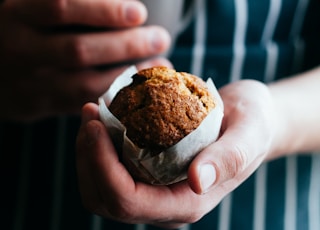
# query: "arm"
(297, 102)
(255, 129)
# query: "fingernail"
(155, 62)
(159, 40)
(207, 175)
(133, 14)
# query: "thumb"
(218, 163)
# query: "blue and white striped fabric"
(228, 40)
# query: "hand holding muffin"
(108, 189)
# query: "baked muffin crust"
(161, 106)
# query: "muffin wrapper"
(171, 165)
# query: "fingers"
(105, 13)
(46, 46)
(108, 189)
(85, 50)
(90, 112)
(112, 47)
(94, 149)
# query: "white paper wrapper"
(171, 165)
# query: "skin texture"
(58, 54)
(253, 111)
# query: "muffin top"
(161, 106)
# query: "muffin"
(159, 120)
(161, 106)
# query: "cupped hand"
(108, 190)
(57, 55)
(247, 134)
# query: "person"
(251, 178)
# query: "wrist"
(297, 114)
(281, 140)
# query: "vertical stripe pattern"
(23, 187)
(262, 40)
(97, 223)
(299, 43)
(298, 19)
(260, 197)
(58, 174)
(241, 21)
(291, 194)
(225, 213)
(272, 19)
(267, 41)
(200, 35)
(314, 194)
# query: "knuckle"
(195, 214)
(58, 9)
(140, 46)
(77, 52)
(195, 217)
(235, 161)
(133, 49)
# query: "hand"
(51, 51)
(246, 137)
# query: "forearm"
(297, 104)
